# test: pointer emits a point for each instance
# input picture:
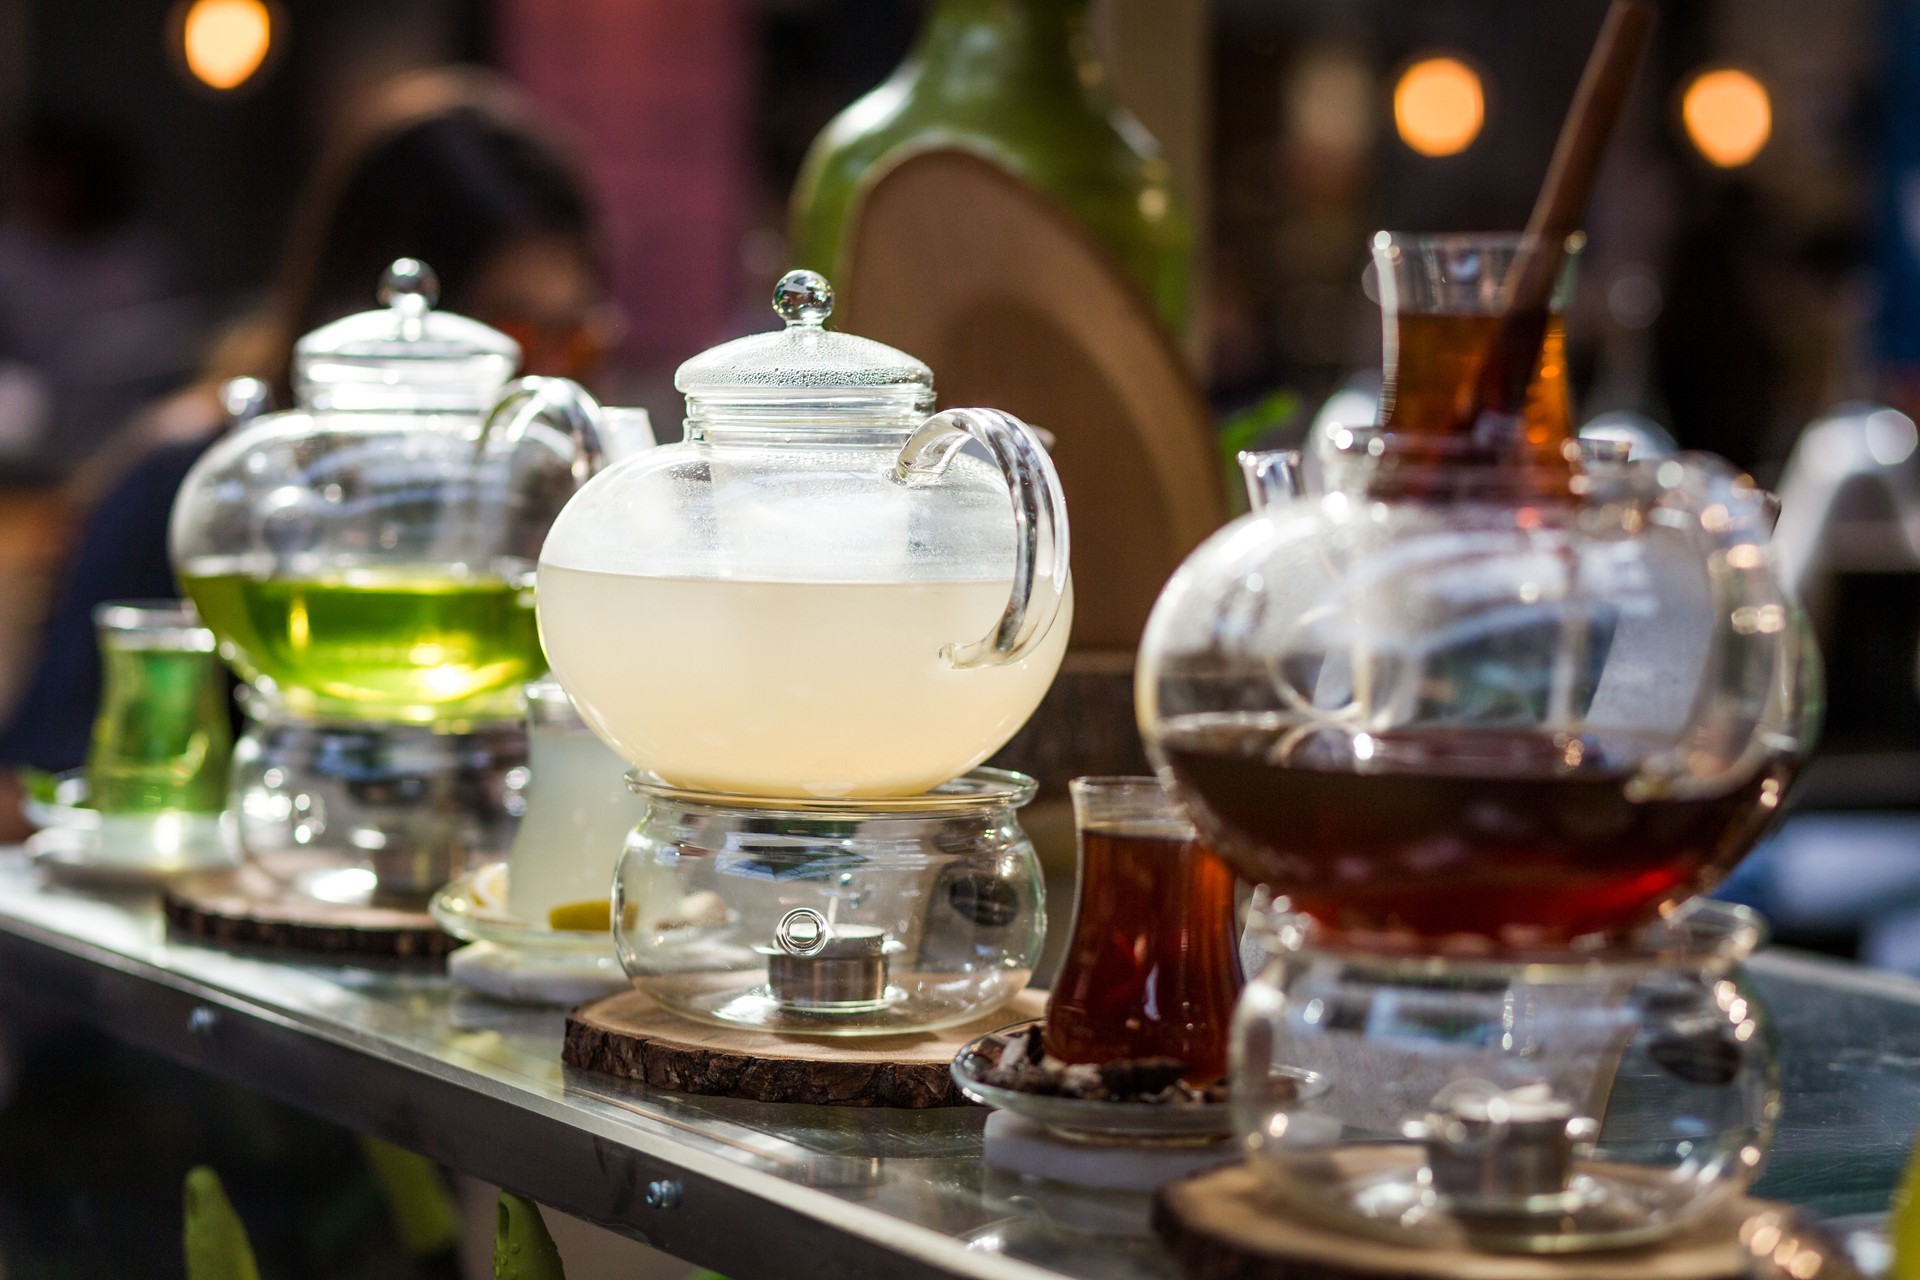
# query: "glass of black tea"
(1153, 967)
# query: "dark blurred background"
(1732, 304)
(1752, 265)
(1753, 261)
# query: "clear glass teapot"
(369, 555)
(820, 593)
(1483, 693)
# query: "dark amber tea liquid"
(1518, 838)
(1439, 360)
(1153, 968)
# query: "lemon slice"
(595, 915)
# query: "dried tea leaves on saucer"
(1021, 1063)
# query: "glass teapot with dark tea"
(1484, 693)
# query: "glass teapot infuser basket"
(822, 592)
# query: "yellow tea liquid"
(407, 644)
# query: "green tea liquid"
(161, 740)
(405, 644)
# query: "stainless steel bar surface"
(756, 1190)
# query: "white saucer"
(535, 977)
(513, 959)
(85, 846)
(473, 908)
(1016, 1144)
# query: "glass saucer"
(473, 908)
(1094, 1121)
(78, 843)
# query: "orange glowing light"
(1728, 116)
(1439, 106)
(225, 41)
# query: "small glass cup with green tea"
(163, 737)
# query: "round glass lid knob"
(803, 297)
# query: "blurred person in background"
(89, 326)
(454, 168)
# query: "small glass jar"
(577, 811)
(1547, 1104)
(832, 917)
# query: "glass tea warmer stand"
(1487, 711)
(366, 561)
(805, 626)
(832, 917)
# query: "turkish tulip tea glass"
(163, 736)
(149, 805)
(1153, 966)
(552, 892)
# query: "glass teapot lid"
(405, 357)
(804, 371)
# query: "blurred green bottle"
(1019, 82)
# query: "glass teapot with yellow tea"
(823, 591)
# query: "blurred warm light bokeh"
(1439, 106)
(1728, 116)
(225, 41)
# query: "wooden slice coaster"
(247, 907)
(631, 1035)
(1231, 1225)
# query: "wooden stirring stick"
(1502, 385)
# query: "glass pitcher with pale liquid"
(822, 592)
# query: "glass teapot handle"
(560, 402)
(1039, 522)
(1756, 698)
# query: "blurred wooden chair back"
(1016, 307)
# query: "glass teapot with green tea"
(368, 556)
